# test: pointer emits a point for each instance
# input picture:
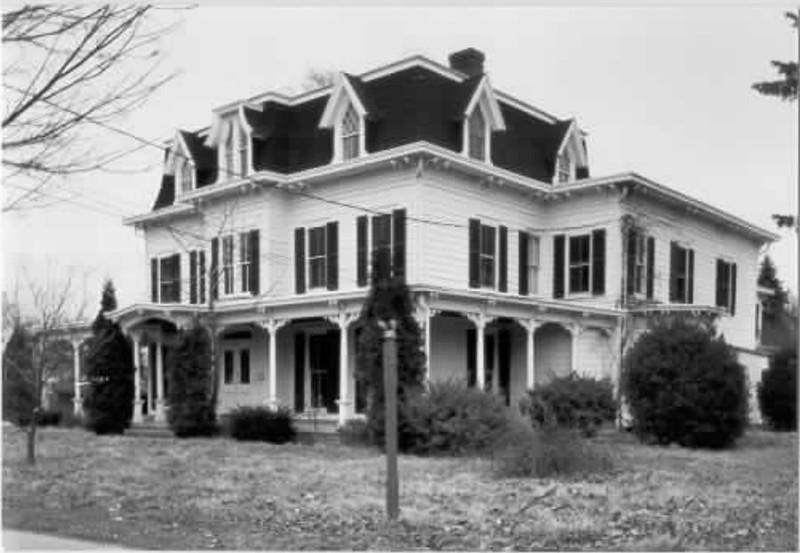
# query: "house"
(522, 264)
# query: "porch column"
(530, 326)
(576, 330)
(480, 321)
(137, 379)
(423, 315)
(160, 415)
(343, 321)
(77, 406)
(272, 326)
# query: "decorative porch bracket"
(272, 326)
(343, 320)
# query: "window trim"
(323, 257)
(339, 136)
(159, 288)
(235, 352)
(588, 264)
(467, 136)
(534, 270)
(687, 276)
(482, 256)
(729, 287)
(243, 262)
(640, 249)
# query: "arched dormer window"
(229, 168)
(564, 168)
(476, 127)
(186, 176)
(351, 134)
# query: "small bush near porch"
(201, 494)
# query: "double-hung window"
(579, 263)
(476, 127)
(227, 265)
(165, 275)
(317, 257)
(487, 256)
(640, 264)
(681, 274)
(245, 260)
(185, 175)
(351, 134)
(533, 264)
(197, 276)
(564, 168)
(316, 262)
(383, 248)
(230, 374)
(726, 285)
(230, 168)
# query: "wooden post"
(390, 392)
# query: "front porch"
(301, 353)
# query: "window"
(681, 274)
(382, 244)
(228, 367)
(351, 135)
(386, 254)
(170, 279)
(639, 264)
(487, 255)
(726, 285)
(244, 366)
(227, 264)
(186, 176)
(229, 168)
(477, 135)
(533, 264)
(242, 138)
(245, 259)
(564, 168)
(579, 263)
(197, 276)
(316, 257)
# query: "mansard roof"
(413, 100)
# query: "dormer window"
(477, 135)
(351, 134)
(242, 143)
(232, 140)
(185, 175)
(564, 168)
(229, 168)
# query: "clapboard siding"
(709, 242)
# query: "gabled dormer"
(345, 114)
(482, 117)
(231, 136)
(571, 159)
(180, 164)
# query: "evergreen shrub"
(262, 424)
(572, 401)
(685, 386)
(777, 391)
(451, 418)
(191, 408)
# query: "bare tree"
(69, 69)
(318, 78)
(53, 302)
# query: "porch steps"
(149, 429)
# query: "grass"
(202, 494)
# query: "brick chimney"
(469, 61)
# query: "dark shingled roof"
(414, 104)
(166, 194)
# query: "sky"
(662, 91)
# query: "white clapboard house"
(521, 263)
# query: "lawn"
(200, 494)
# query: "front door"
(323, 364)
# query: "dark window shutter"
(558, 266)
(300, 260)
(299, 371)
(332, 255)
(524, 247)
(381, 246)
(690, 279)
(599, 262)
(214, 274)
(674, 252)
(193, 276)
(472, 356)
(630, 271)
(502, 284)
(361, 251)
(399, 243)
(720, 283)
(733, 288)
(255, 262)
(176, 263)
(202, 276)
(154, 280)
(651, 265)
(474, 253)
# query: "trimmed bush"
(573, 401)
(526, 452)
(48, 418)
(262, 424)
(777, 391)
(683, 385)
(452, 419)
(354, 432)
(191, 407)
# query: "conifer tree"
(191, 405)
(19, 389)
(108, 404)
(390, 299)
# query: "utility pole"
(390, 393)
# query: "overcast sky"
(661, 91)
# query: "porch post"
(576, 330)
(77, 406)
(530, 326)
(160, 382)
(423, 315)
(480, 321)
(272, 326)
(137, 380)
